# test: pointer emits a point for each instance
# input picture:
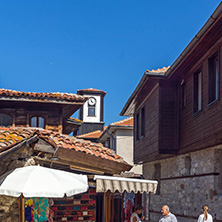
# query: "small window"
(213, 78)
(137, 126)
(197, 91)
(142, 122)
(183, 94)
(107, 143)
(37, 121)
(91, 111)
(5, 120)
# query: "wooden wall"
(168, 118)
(22, 114)
(148, 145)
(203, 128)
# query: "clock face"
(92, 101)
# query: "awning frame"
(121, 184)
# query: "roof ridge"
(42, 96)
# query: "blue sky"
(66, 45)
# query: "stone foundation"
(187, 182)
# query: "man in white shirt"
(167, 216)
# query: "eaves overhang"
(111, 128)
(195, 41)
(91, 162)
(146, 76)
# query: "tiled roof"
(91, 90)
(57, 96)
(14, 135)
(94, 134)
(125, 122)
(10, 137)
(163, 70)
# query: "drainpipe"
(113, 140)
(149, 196)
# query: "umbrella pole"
(21, 208)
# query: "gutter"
(195, 40)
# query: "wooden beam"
(91, 161)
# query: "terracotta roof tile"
(125, 122)
(57, 96)
(94, 134)
(13, 135)
(162, 70)
(10, 137)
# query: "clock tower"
(92, 111)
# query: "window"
(213, 78)
(5, 120)
(107, 143)
(37, 121)
(91, 111)
(137, 126)
(183, 94)
(197, 91)
(142, 122)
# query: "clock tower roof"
(90, 90)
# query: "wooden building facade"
(178, 131)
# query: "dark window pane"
(91, 111)
(5, 120)
(213, 78)
(137, 126)
(143, 122)
(183, 95)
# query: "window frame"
(213, 69)
(93, 108)
(137, 126)
(142, 122)
(37, 121)
(197, 91)
(183, 94)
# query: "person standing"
(205, 217)
(135, 216)
(167, 216)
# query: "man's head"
(139, 209)
(165, 210)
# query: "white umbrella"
(37, 181)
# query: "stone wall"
(187, 182)
(9, 211)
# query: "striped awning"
(121, 184)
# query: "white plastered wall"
(96, 118)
